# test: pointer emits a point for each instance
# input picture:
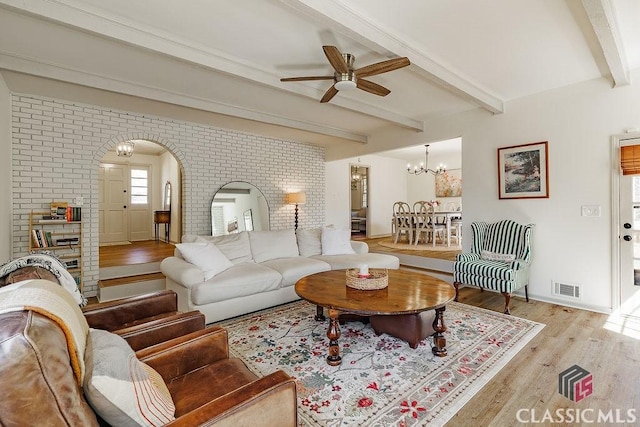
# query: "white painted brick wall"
(58, 146)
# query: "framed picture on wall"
(449, 184)
(523, 171)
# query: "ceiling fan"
(347, 78)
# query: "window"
(139, 186)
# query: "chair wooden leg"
(456, 285)
(507, 298)
(526, 292)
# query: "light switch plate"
(591, 210)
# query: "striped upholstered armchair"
(499, 259)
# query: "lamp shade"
(298, 198)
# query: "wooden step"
(122, 287)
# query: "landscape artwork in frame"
(523, 171)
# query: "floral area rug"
(381, 381)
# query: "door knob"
(125, 206)
(627, 238)
(627, 225)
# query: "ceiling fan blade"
(300, 79)
(329, 94)
(382, 67)
(372, 87)
(335, 59)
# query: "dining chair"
(455, 222)
(424, 216)
(403, 221)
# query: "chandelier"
(355, 174)
(125, 148)
(424, 167)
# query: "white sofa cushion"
(336, 241)
(240, 280)
(206, 256)
(309, 241)
(373, 260)
(295, 268)
(266, 245)
(235, 246)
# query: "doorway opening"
(133, 190)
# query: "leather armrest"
(184, 354)
(157, 331)
(269, 401)
(116, 314)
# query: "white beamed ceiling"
(226, 58)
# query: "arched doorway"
(132, 188)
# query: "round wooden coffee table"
(408, 293)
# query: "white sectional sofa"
(239, 273)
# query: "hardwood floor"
(374, 246)
(135, 253)
(530, 380)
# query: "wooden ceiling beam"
(603, 20)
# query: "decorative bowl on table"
(376, 279)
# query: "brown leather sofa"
(208, 388)
(144, 320)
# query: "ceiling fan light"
(345, 81)
(345, 85)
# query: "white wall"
(5, 172)
(170, 171)
(387, 184)
(578, 121)
(57, 147)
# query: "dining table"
(448, 215)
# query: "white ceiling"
(226, 57)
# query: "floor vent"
(567, 290)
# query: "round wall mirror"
(239, 206)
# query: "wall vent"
(567, 290)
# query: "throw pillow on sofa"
(266, 245)
(205, 256)
(336, 241)
(118, 386)
(234, 246)
(309, 241)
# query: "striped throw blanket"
(54, 302)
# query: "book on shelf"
(74, 213)
(72, 264)
(59, 209)
(41, 238)
(66, 241)
(48, 238)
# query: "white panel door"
(629, 241)
(114, 200)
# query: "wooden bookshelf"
(63, 238)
